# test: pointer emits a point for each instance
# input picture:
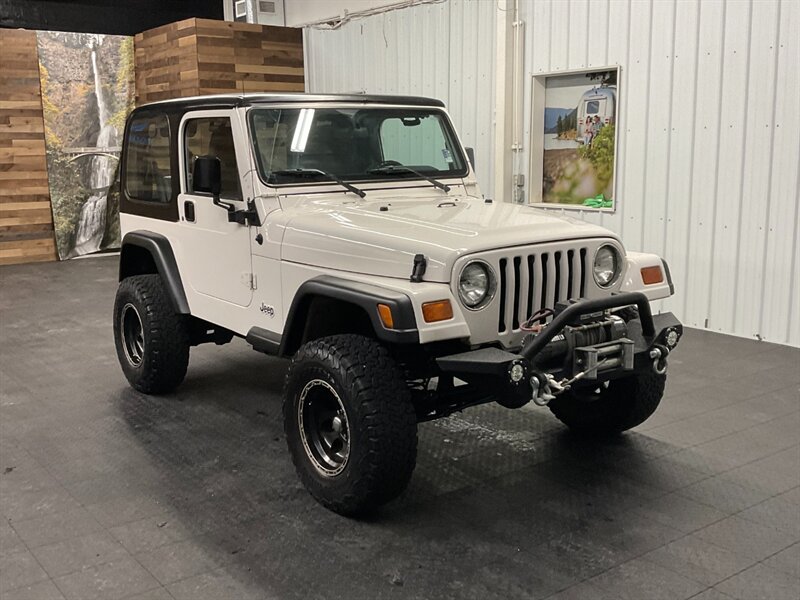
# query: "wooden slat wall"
(235, 57)
(26, 219)
(165, 62)
(200, 56)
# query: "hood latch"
(420, 264)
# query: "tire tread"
(167, 339)
(384, 416)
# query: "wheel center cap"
(337, 424)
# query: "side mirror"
(207, 179)
(471, 156)
(207, 175)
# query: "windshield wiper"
(306, 172)
(405, 169)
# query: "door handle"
(188, 210)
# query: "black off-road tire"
(158, 365)
(624, 404)
(380, 420)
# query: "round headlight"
(476, 285)
(606, 265)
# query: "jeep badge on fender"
(348, 234)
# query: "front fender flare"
(363, 295)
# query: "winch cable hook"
(544, 392)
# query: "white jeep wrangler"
(348, 233)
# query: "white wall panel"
(445, 51)
(751, 228)
(694, 298)
(780, 297)
(707, 169)
(709, 114)
(683, 137)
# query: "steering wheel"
(389, 163)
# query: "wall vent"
(264, 12)
(240, 10)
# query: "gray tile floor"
(106, 493)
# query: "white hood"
(358, 236)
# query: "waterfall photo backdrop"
(87, 93)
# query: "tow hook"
(659, 355)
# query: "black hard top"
(237, 100)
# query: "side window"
(212, 136)
(147, 168)
(415, 141)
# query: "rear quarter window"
(147, 160)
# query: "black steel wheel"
(132, 335)
(323, 426)
(152, 340)
(350, 424)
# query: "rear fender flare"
(163, 259)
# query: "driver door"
(217, 256)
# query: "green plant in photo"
(51, 111)
(122, 95)
(601, 154)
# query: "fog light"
(672, 338)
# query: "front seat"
(330, 145)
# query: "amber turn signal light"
(385, 313)
(441, 310)
(651, 275)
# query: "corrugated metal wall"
(443, 50)
(707, 172)
(709, 161)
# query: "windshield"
(294, 145)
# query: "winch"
(588, 343)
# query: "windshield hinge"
(245, 217)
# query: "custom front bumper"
(559, 356)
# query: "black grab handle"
(587, 306)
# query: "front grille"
(531, 281)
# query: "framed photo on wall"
(574, 138)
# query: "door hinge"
(249, 279)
